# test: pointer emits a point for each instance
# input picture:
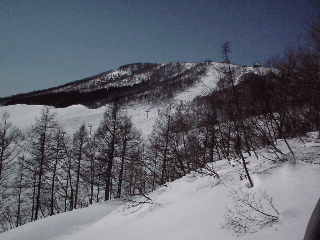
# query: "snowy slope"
(205, 86)
(71, 118)
(61, 225)
(208, 83)
(193, 207)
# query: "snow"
(208, 83)
(71, 118)
(205, 86)
(141, 121)
(61, 225)
(193, 207)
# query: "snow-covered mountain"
(194, 206)
(140, 82)
(149, 87)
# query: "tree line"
(46, 171)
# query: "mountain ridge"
(157, 82)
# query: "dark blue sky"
(46, 43)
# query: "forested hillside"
(45, 170)
(140, 81)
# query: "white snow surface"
(71, 118)
(193, 207)
(61, 225)
(208, 83)
(205, 86)
(23, 116)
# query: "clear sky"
(46, 43)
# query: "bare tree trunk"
(42, 159)
(226, 50)
(111, 153)
(19, 196)
(92, 173)
(33, 197)
(124, 143)
(98, 183)
(164, 161)
(54, 174)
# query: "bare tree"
(39, 140)
(250, 212)
(159, 141)
(80, 143)
(91, 174)
(107, 138)
(128, 147)
(67, 167)
(235, 112)
(10, 138)
(19, 184)
(57, 157)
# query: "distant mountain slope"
(142, 82)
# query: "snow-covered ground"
(193, 207)
(71, 118)
(61, 225)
